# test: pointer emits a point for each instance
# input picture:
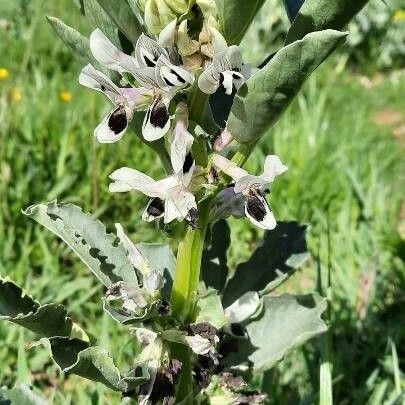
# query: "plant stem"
(187, 274)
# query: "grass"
(345, 179)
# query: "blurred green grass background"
(343, 140)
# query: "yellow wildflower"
(65, 96)
(399, 15)
(4, 73)
(15, 95)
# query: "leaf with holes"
(92, 362)
(20, 394)
(18, 307)
(88, 238)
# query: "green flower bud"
(159, 13)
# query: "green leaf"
(92, 362)
(76, 42)
(19, 308)
(214, 265)
(209, 309)
(20, 394)
(235, 17)
(259, 103)
(88, 239)
(122, 15)
(317, 15)
(286, 322)
(98, 18)
(277, 257)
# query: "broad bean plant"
(200, 328)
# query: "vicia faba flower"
(243, 308)
(153, 69)
(135, 298)
(253, 187)
(170, 197)
(226, 71)
(126, 100)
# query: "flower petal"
(172, 75)
(258, 211)
(126, 179)
(243, 307)
(167, 36)
(273, 167)
(157, 120)
(96, 80)
(153, 281)
(112, 128)
(154, 210)
(181, 140)
(148, 51)
(109, 55)
(134, 255)
(228, 167)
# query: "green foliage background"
(343, 139)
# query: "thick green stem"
(187, 275)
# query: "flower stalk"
(188, 266)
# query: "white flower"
(153, 69)
(125, 101)
(181, 140)
(134, 255)
(253, 187)
(170, 197)
(226, 71)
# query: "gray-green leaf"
(91, 362)
(286, 322)
(120, 12)
(76, 42)
(209, 309)
(259, 103)
(20, 394)
(18, 307)
(235, 17)
(317, 15)
(88, 239)
(277, 257)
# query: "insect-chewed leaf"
(77, 43)
(19, 308)
(317, 15)
(278, 256)
(214, 265)
(88, 239)
(285, 322)
(120, 12)
(91, 362)
(20, 394)
(259, 103)
(235, 17)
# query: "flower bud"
(160, 13)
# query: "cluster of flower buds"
(159, 78)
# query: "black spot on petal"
(155, 207)
(117, 121)
(159, 115)
(255, 206)
(188, 162)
